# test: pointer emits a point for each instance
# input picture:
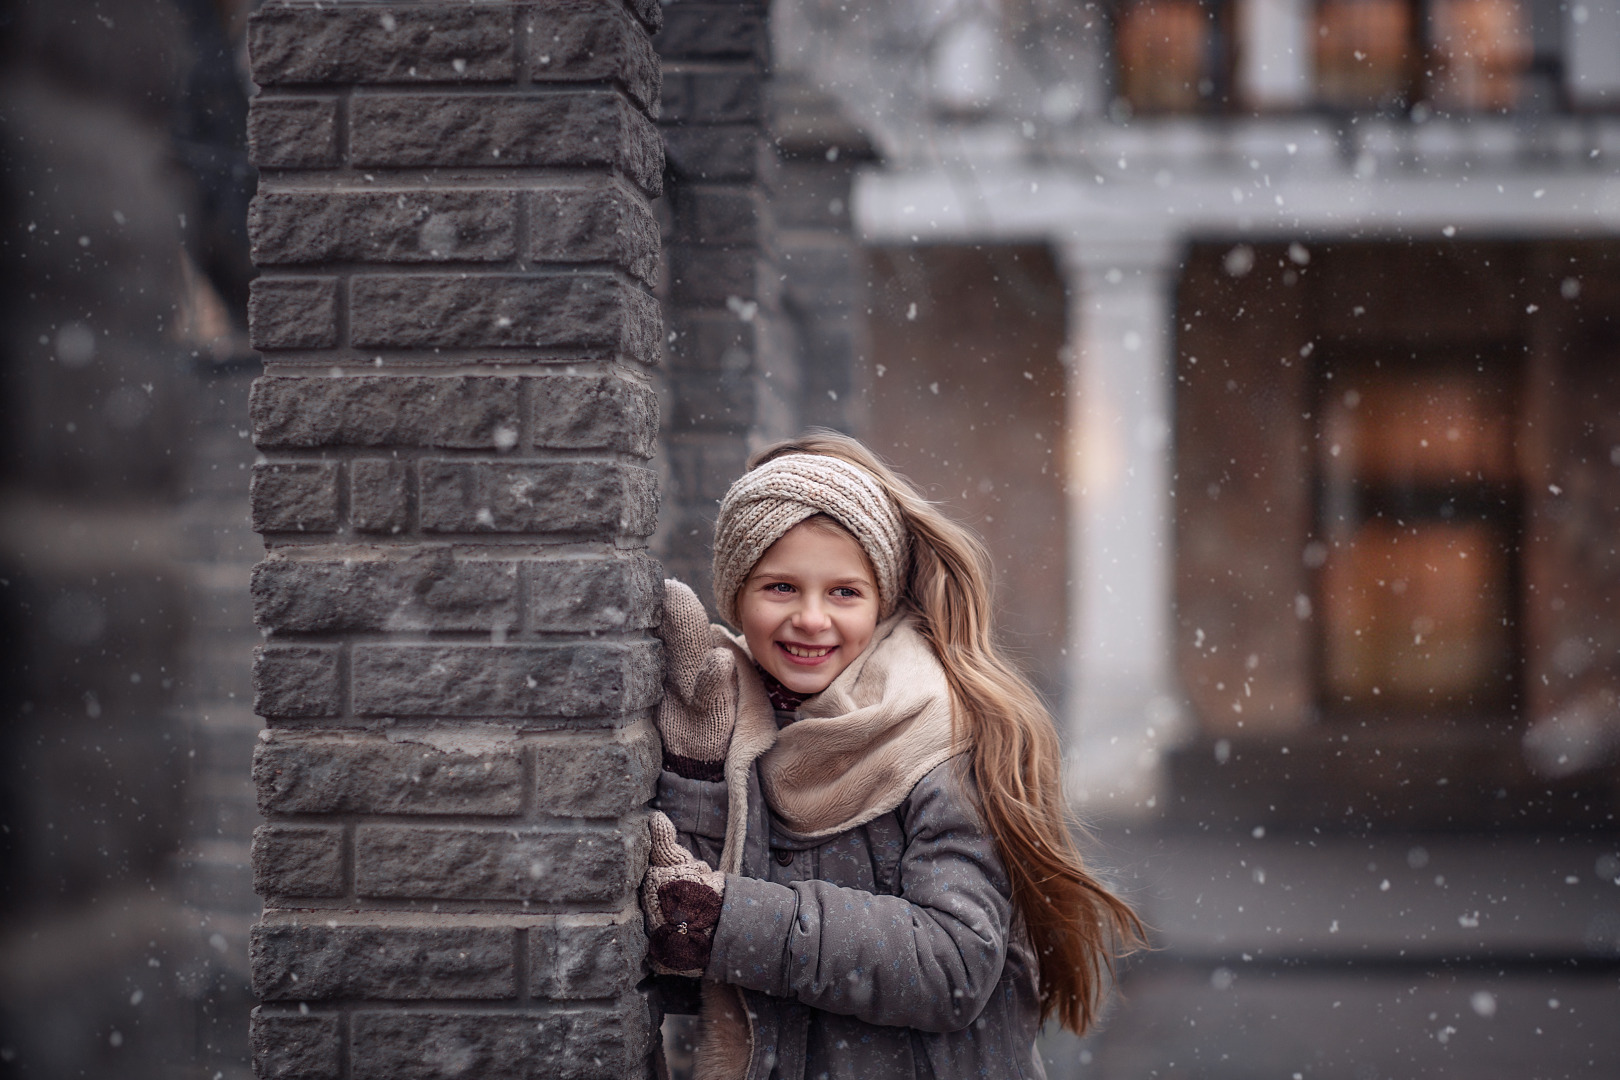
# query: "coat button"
(784, 857)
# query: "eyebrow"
(783, 575)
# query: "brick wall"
(729, 382)
(458, 250)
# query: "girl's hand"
(680, 897)
(699, 709)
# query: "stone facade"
(458, 249)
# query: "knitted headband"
(765, 503)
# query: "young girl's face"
(809, 606)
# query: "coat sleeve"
(927, 958)
(698, 810)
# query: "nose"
(811, 616)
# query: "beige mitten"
(699, 708)
(680, 897)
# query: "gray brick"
(590, 41)
(600, 222)
(579, 1043)
(298, 860)
(711, 341)
(731, 152)
(702, 466)
(294, 496)
(293, 133)
(426, 590)
(393, 43)
(296, 1047)
(622, 592)
(567, 866)
(296, 773)
(726, 215)
(713, 32)
(580, 129)
(702, 275)
(585, 314)
(411, 226)
(703, 402)
(379, 496)
(457, 412)
(712, 97)
(580, 497)
(583, 679)
(297, 681)
(400, 963)
(595, 778)
(587, 956)
(293, 313)
(592, 412)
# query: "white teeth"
(799, 650)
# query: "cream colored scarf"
(859, 748)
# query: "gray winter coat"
(888, 952)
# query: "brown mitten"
(680, 897)
(699, 708)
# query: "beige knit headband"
(765, 503)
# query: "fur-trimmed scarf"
(855, 753)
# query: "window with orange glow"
(1162, 49)
(1480, 49)
(1417, 538)
(1365, 53)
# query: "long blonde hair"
(1074, 922)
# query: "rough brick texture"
(584, 315)
(405, 226)
(589, 498)
(580, 1043)
(589, 128)
(298, 860)
(320, 962)
(458, 252)
(303, 774)
(554, 865)
(587, 956)
(400, 43)
(296, 1046)
(293, 313)
(450, 412)
(294, 133)
(576, 679)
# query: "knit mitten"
(699, 709)
(680, 897)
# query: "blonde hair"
(1075, 923)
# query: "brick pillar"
(729, 381)
(458, 249)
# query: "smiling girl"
(862, 847)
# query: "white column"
(1122, 703)
(1274, 53)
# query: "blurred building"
(124, 541)
(1272, 346)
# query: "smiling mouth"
(807, 652)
